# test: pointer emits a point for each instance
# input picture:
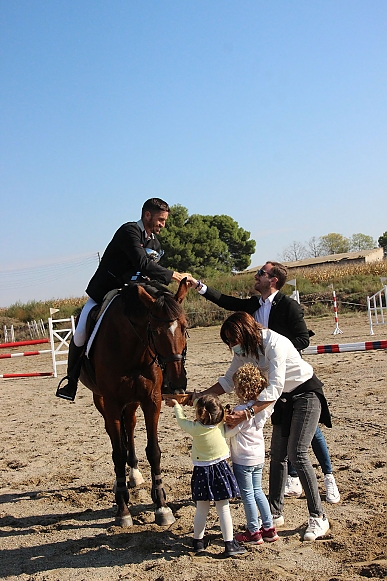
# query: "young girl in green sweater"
(212, 477)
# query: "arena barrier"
(345, 347)
(376, 310)
(59, 340)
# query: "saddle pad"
(95, 330)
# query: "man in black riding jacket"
(131, 255)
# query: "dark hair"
(240, 328)
(154, 206)
(209, 410)
(280, 272)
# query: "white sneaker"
(293, 486)
(317, 527)
(278, 520)
(332, 492)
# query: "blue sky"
(272, 112)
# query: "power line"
(32, 276)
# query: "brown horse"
(140, 347)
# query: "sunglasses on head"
(261, 272)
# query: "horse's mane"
(165, 300)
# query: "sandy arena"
(57, 506)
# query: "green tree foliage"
(334, 243)
(382, 241)
(361, 242)
(204, 245)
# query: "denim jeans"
(306, 414)
(320, 449)
(249, 480)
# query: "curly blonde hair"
(249, 382)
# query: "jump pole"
(14, 375)
(345, 347)
(25, 354)
(23, 343)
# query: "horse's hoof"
(124, 521)
(135, 478)
(164, 516)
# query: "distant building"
(362, 256)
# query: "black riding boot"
(74, 364)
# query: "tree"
(382, 241)
(314, 247)
(361, 242)
(203, 245)
(334, 243)
(295, 251)
(239, 245)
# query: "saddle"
(94, 316)
(97, 312)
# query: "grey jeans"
(306, 414)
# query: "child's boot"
(232, 548)
(198, 545)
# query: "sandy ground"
(57, 507)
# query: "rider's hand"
(178, 276)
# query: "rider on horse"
(132, 253)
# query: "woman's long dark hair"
(240, 328)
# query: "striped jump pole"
(345, 347)
(337, 330)
(25, 354)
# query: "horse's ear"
(145, 297)
(182, 290)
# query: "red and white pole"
(337, 328)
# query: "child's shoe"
(232, 548)
(248, 537)
(198, 546)
(269, 535)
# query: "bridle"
(162, 361)
(151, 345)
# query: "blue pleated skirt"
(215, 482)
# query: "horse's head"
(167, 333)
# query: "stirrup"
(67, 391)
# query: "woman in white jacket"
(299, 405)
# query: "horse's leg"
(112, 417)
(130, 420)
(163, 514)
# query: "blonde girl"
(248, 456)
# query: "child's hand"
(170, 402)
(235, 418)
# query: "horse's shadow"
(112, 546)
